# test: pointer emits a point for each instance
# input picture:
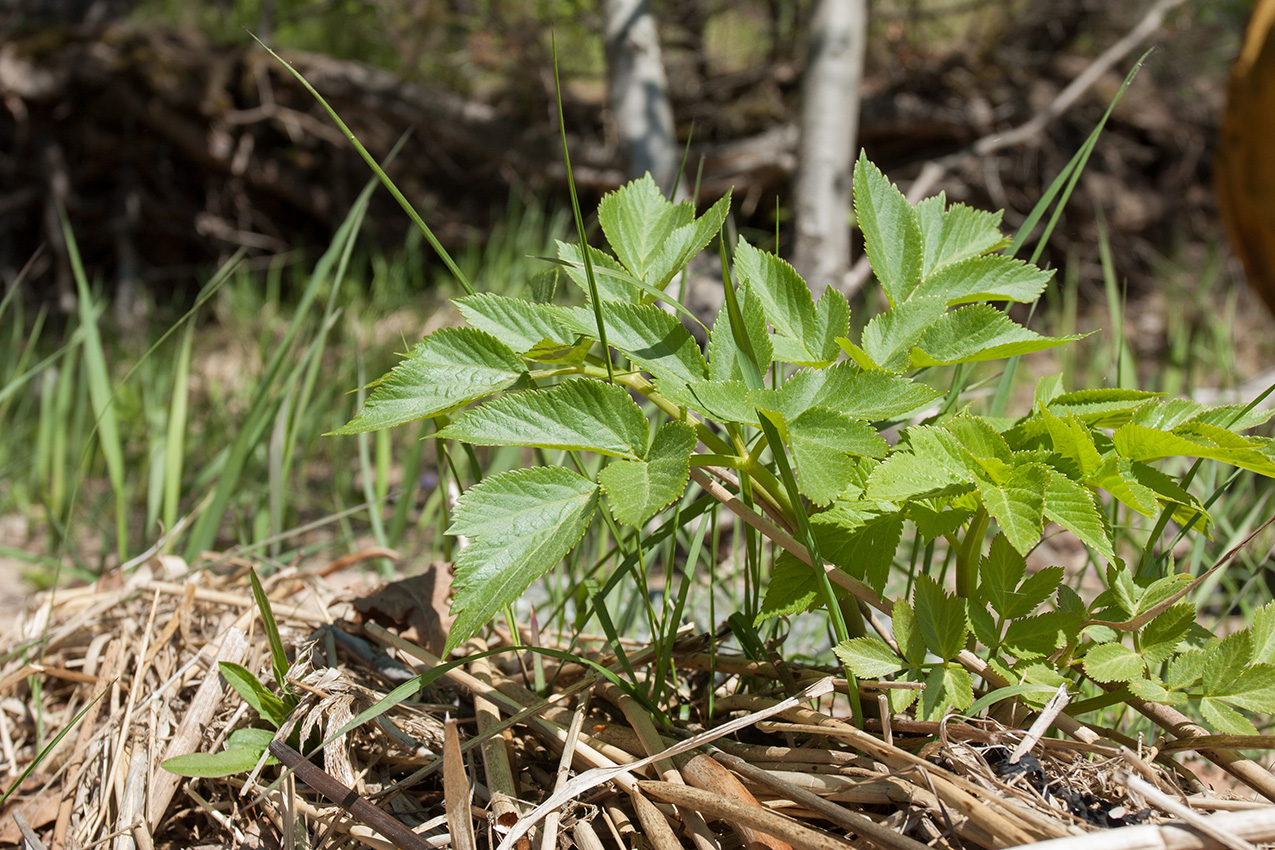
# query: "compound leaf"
(637, 490)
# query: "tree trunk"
(829, 124)
(638, 91)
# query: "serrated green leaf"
(1225, 719)
(523, 522)
(638, 220)
(991, 278)
(822, 442)
(904, 476)
(685, 242)
(805, 334)
(890, 337)
(1018, 507)
(1101, 408)
(982, 623)
(268, 706)
(1037, 587)
(940, 617)
(520, 324)
(575, 415)
(725, 401)
(1040, 634)
(637, 490)
(946, 687)
(614, 282)
(978, 438)
(648, 336)
(868, 658)
(1000, 571)
(932, 524)
(1140, 443)
(1145, 689)
(446, 370)
(544, 284)
(891, 232)
(860, 538)
(907, 633)
(725, 360)
(1073, 507)
(1263, 634)
(793, 588)
(1224, 661)
(213, 765)
(1113, 662)
(870, 395)
(1072, 440)
(1185, 669)
(1234, 417)
(1253, 689)
(954, 234)
(975, 333)
(548, 351)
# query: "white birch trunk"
(638, 91)
(829, 124)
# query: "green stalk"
(968, 556)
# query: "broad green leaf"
(523, 522)
(268, 706)
(804, 334)
(1072, 440)
(1234, 417)
(907, 632)
(872, 395)
(891, 233)
(1140, 443)
(544, 285)
(891, 336)
(1145, 689)
(724, 357)
(250, 738)
(650, 337)
(1253, 689)
(575, 415)
(955, 234)
(934, 524)
(904, 476)
(725, 401)
(818, 347)
(860, 538)
(446, 370)
(1225, 719)
(946, 687)
(991, 278)
(1113, 662)
(1185, 669)
(638, 220)
(1032, 593)
(614, 281)
(521, 325)
(1161, 636)
(982, 623)
(1072, 506)
(214, 765)
(822, 442)
(793, 588)
(1101, 408)
(868, 658)
(1224, 661)
(571, 354)
(1263, 634)
(1165, 414)
(1018, 507)
(940, 617)
(1038, 635)
(978, 438)
(975, 333)
(637, 490)
(1000, 571)
(684, 243)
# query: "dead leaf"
(419, 604)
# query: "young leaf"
(446, 370)
(904, 476)
(724, 357)
(574, 415)
(1101, 408)
(278, 656)
(1160, 637)
(907, 632)
(868, 658)
(940, 617)
(891, 232)
(804, 335)
(955, 234)
(638, 220)
(1018, 506)
(268, 706)
(822, 442)
(650, 337)
(1072, 440)
(975, 333)
(637, 490)
(1113, 662)
(947, 687)
(1140, 443)
(614, 282)
(685, 242)
(992, 278)
(522, 522)
(522, 325)
(214, 765)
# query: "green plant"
(246, 747)
(803, 433)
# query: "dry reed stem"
(456, 791)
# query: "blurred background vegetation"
(174, 148)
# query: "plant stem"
(968, 556)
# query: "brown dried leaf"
(419, 604)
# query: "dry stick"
(762, 820)
(1163, 801)
(865, 827)
(935, 170)
(500, 775)
(705, 773)
(336, 792)
(656, 829)
(457, 794)
(549, 836)
(110, 670)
